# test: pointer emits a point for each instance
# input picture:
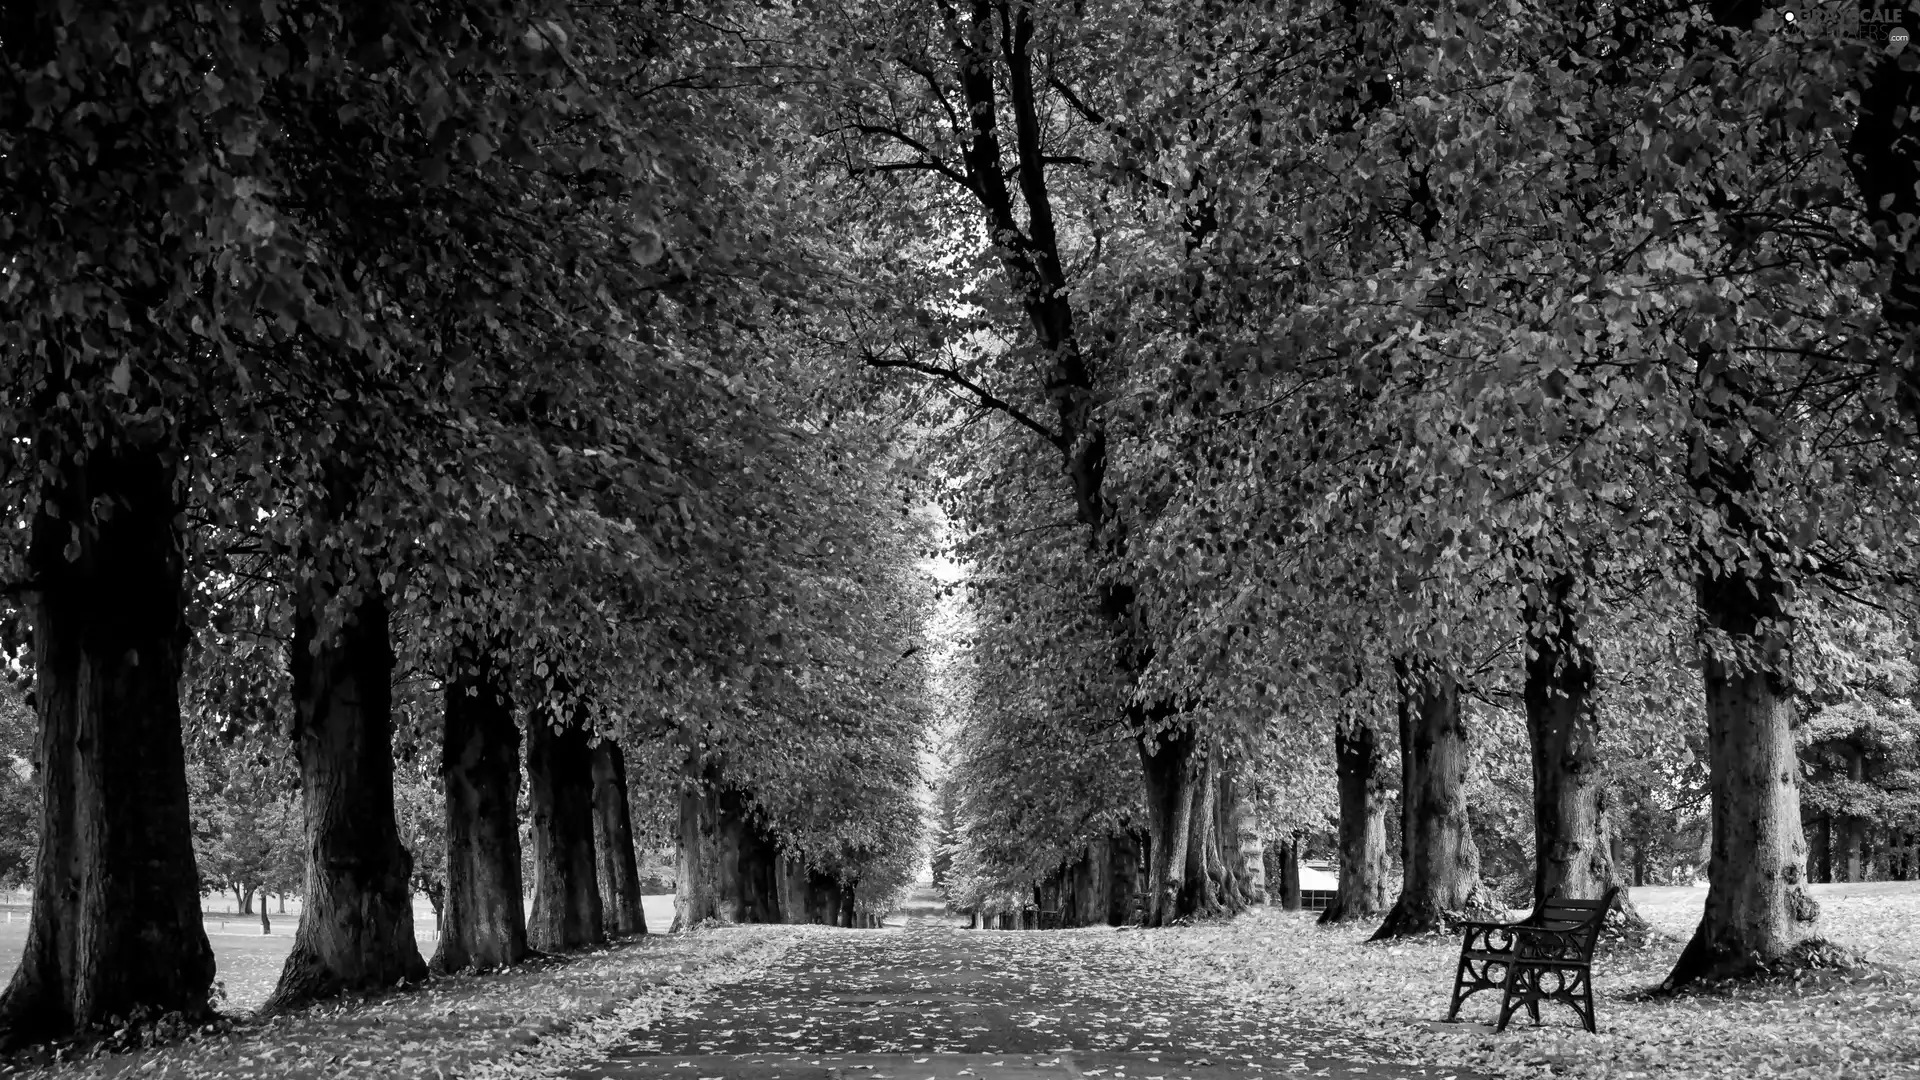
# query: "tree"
(484, 924)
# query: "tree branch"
(987, 398)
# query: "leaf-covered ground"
(1864, 1024)
(936, 1003)
(518, 1023)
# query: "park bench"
(1547, 956)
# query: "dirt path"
(927, 1001)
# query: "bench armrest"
(1481, 936)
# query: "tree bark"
(1362, 895)
(115, 919)
(1252, 852)
(758, 896)
(613, 839)
(1441, 877)
(1823, 870)
(1167, 763)
(1200, 893)
(484, 924)
(729, 868)
(1573, 855)
(566, 894)
(1758, 909)
(356, 926)
(847, 896)
(1290, 875)
(1853, 828)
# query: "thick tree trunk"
(1853, 839)
(1758, 909)
(1823, 855)
(356, 926)
(729, 868)
(1290, 875)
(1441, 877)
(1853, 829)
(1573, 853)
(1362, 895)
(1200, 894)
(1167, 763)
(115, 918)
(823, 898)
(758, 899)
(1252, 852)
(566, 893)
(1124, 875)
(485, 923)
(792, 889)
(613, 841)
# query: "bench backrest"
(1584, 916)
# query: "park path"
(928, 1001)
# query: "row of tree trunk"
(1850, 848)
(1200, 854)
(1757, 908)
(1440, 881)
(115, 926)
(586, 874)
(731, 870)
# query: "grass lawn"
(248, 963)
(1861, 1024)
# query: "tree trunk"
(1167, 762)
(1252, 852)
(566, 894)
(613, 840)
(1123, 873)
(1820, 868)
(1201, 892)
(1573, 855)
(1290, 875)
(115, 919)
(758, 896)
(356, 926)
(729, 869)
(1853, 829)
(242, 901)
(485, 923)
(823, 898)
(1758, 909)
(1440, 881)
(1362, 895)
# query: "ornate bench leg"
(1584, 1006)
(1515, 976)
(1459, 981)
